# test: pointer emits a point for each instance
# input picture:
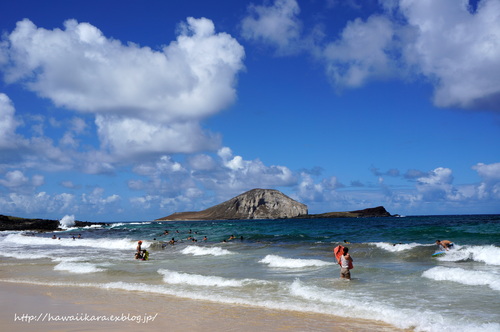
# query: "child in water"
(138, 253)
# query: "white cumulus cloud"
(455, 49)
(96, 201)
(437, 185)
(14, 179)
(458, 49)
(224, 175)
(275, 25)
(489, 172)
(362, 52)
(143, 99)
(490, 186)
(38, 203)
(8, 123)
(17, 181)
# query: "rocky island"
(267, 204)
(378, 211)
(254, 204)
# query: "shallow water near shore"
(287, 265)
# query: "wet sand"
(32, 306)
(46, 306)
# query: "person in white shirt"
(345, 265)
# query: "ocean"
(286, 265)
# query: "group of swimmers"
(54, 237)
(189, 238)
(193, 239)
(140, 252)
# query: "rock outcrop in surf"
(8, 223)
(253, 204)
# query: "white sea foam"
(325, 301)
(78, 268)
(69, 229)
(104, 243)
(66, 229)
(23, 255)
(332, 302)
(117, 224)
(67, 221)
(5, 233)
(350, 306)
(292, 263)
(172, 277)
(489, 255)
(68, 259)
(202, 251)
(395, 247)
(465, 277)
(357, 306)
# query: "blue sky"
(133, 110)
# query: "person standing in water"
(345, 264)
(138, 254)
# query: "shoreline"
(138, 311)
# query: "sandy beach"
(27, 307)
(288, 281)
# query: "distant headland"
(267, 204)
(8, 223)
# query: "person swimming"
(445, 244)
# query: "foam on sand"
(77, 267)
(326, 301)
(202, 251)
(171, 277)
(292, 263)
(24, 255)
(357, 306)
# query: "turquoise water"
(289, 264)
